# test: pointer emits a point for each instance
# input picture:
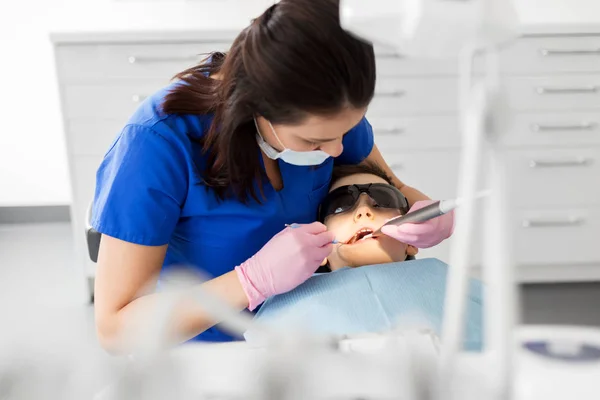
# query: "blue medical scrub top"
(149, 191)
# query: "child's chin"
(382, 258)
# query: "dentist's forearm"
(187, 318)
(411, 194)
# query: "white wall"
(33, 166)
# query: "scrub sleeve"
(141, 186)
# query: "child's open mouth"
(359, 235)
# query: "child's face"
(365, 214)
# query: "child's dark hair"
(370, 168)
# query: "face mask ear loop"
(276, 137)
(257, 129)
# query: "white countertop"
(178, 20)
(559, 16)
(181, 20)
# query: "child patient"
(361, 199)
(387, 293)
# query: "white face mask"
(300, 158)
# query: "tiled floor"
(42, 293)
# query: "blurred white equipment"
(430, 28)
(468, 29)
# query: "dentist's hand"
(286, 261)
(426, 234)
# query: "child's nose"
(363, 210)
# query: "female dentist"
(208, 170)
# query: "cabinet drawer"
(554, 177)
(560, 93)
(414, 96)
(115, 102)
(551, 236)
(553, 129)
(392, 63)
(552, 55)
(546, 55)
(560, 236)
(89, 138)
(426, 132)
(433, 172)
(92, 63)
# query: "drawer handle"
(550, 52)
(150, 60)
(567, 90)
(390, 131)
(552, 223)
(389, 55)
(138, 98)
(585, 126)
(579, 162)
(392, 93)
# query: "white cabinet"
(553, 142)
(553, 137)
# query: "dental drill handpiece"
(421, 215)
(426, 213)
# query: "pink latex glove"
(286, 261)
(426, 234)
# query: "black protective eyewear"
(344, 198)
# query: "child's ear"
(324, 262)
(411, 250)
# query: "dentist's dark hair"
(293, 61)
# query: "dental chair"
(92, 236)
(92, 239)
